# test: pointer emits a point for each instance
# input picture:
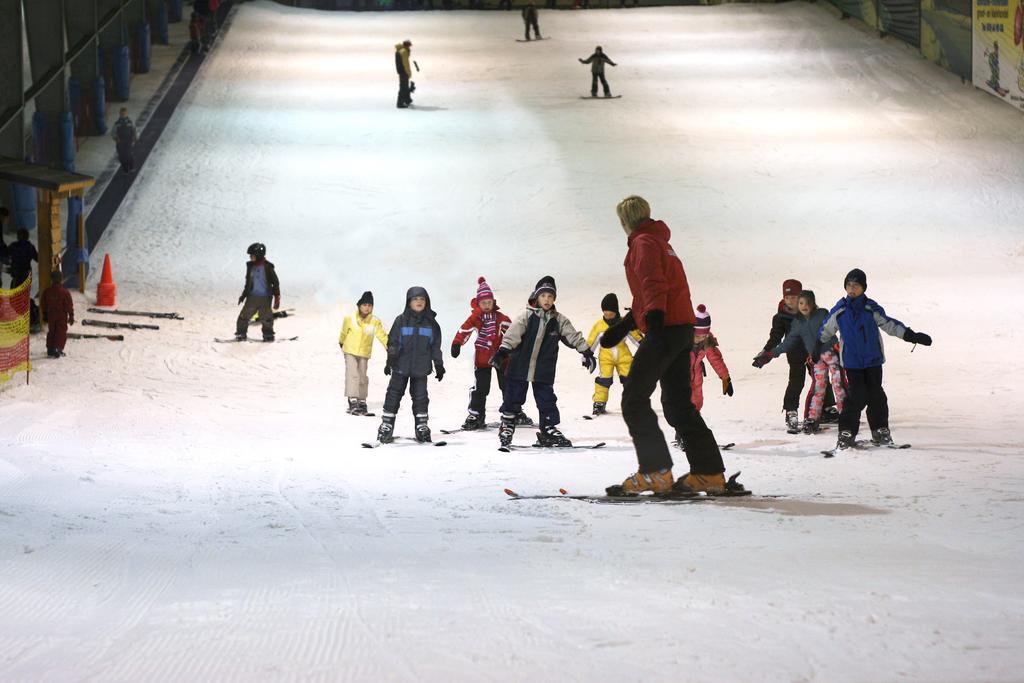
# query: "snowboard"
(535, 40)
(595, 97)
(221, 340)
(378, 444)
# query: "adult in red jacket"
(662, 310)
(490, 325)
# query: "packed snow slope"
(176, 509)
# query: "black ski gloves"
(589, 362)
(655, 327)
(762, 359)
(500, 357)
(439, 371)
(387, 368)
(614, 335)
(917, 338)
(241, 299)
(456, 350)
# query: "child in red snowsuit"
(706, 346)
(58, 312)
(490, 325)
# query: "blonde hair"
(633, 211)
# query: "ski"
(80, 335)
(733, 490)
(509, 449)
(229, 340)
(865, 446)
(143, 314)
(722, 446)
(486, 427)
(363, 414)
(378, 444)
(119, 326)
(595, 97)
(535, 40)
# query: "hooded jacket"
(782, 321)
(803, 334)
(533, 339)
(490, 329)
(414, 343)
(858, 322)
(357, 334)
(272, 282)
(656, 277)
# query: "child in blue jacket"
(858, 319)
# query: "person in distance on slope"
(356, 342)
(125, 137)
(796, 357)
(530, 20)
(803, 336)
(705, 346)
(609, 361)
(261, 288)
(414, 349)
(528, 354)
(404, 70)
(662, 310)
(858, 320)
(490, 325)
(597, 62)
(58, 311)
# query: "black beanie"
(545, 284)
(856, 275)
(366, 298)
(610, 302)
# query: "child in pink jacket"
(705, 346)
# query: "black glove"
(614, 335)
(655, 327)
(703, 369)
(241, 299)
(917, 338)
(589, 362)
(456, 350)
(439, 372)
(387, 368)
(499, 358)
(762, 359)
(727, 386)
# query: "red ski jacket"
(490, 328)
(656, 277)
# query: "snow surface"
(176, 509)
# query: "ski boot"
(701, 483)
(422, 429)
(881, 436)
(680, 442)
(845, 441)
(506, 431)
(811, 427)
(241, 336)
(792, 422)
(353, 405)
(829, 416)
(472, 423)
(268, 337)
(386, 431)
(550, 436)
(600, 409)
(656, 482)
(52, 353)
(523, 420)
(361, 408)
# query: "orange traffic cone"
(106, 290)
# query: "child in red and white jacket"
(705, 347)
(490, 325)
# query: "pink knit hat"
(483, 290)
(703, 325)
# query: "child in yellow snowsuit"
(356, 342)
(616, 359)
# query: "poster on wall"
(998, 41)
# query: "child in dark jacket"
(803, 336)
(414, 350)
(530, 350)
(58, 311)
(858, 320)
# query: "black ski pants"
(404, 96)
(543, 394)
(604, 84)
(481, 388)
(536, 29)
(126, 157)
(666, 360)
(865, 389)
(417, 389)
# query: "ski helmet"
(257, 249)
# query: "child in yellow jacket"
(616, 359)
(356, 342)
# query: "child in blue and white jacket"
(857, 319)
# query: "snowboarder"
(125, 136)
(530, 20)
(529, 354)
(858, 320)
(662, 310)
(356, 342)
(803, 337)
(404, 70)
(490, 325)
(261, 286)
(609, 361)
(58, 311)
(597, 62)
(414, 345)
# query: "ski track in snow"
(176, 509)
